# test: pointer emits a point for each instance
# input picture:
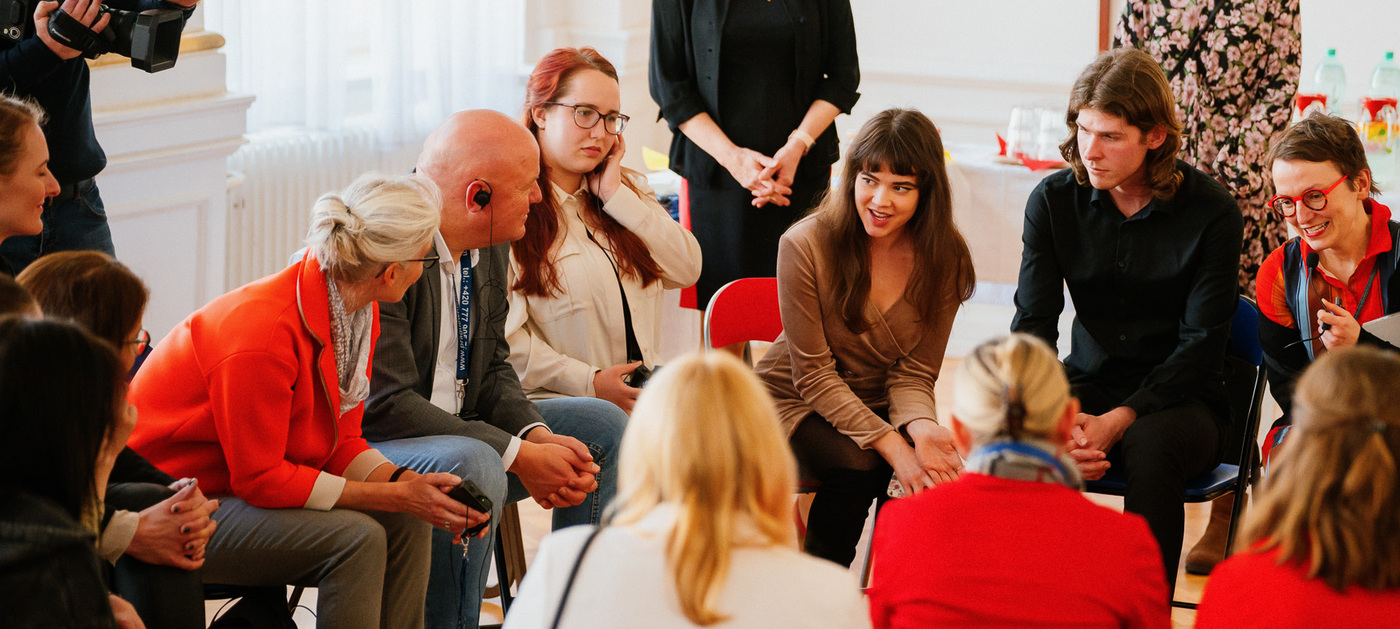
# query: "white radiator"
(283, 173)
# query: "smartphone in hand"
(469, 494)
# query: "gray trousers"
(370, 568)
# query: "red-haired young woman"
(587, 278)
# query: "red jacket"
(243, 394)
(990, 552)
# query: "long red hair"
(537, 273)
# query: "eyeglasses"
(587, 117)
(142, 341)
(428, 264)
(1315, 199)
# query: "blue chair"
(1245, 386)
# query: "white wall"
(1360, 30)
(966, 64)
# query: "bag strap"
(569, 585)
(634, 349)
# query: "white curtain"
(397, 67)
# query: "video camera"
(151, 39)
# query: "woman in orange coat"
(259, 394)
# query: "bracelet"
(802, 137)
(397, 473)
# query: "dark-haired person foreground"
(155, 527)
(25, 181)
(1319, 548)
(1149, 248)
(1339, 271)
(968, 554)
(65, 417)
(867, 287)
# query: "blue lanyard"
(464, 318)
(1026, 450)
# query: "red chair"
(743, 310)
(747, 310)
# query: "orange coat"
(244, 396)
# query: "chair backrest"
(1244, 334)
(1244, 385)
(743, 310)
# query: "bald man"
(435, 405)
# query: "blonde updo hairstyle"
(704, 437)
(1011, 386)
(378, 219)
(1332, 497)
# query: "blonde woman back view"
(699, 535)
(1320, 547)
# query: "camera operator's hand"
(85, 11)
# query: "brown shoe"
(1210, 550)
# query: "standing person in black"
(56, 77)
(750, 102)
(1149, 248)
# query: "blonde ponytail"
(1010, 386)
(376, 220)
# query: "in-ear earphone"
(483, 194)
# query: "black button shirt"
(1153, 294)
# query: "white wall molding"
(168, 137)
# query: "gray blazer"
(494, 408)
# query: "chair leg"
(869, 565)
(295, 598)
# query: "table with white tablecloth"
(989, 206)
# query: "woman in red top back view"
(1321, 543)
(1013, 543)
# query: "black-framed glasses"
(1315, 199)
(428, 264)
(587, 117)
(142, 341)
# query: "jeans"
(77, 224)
(456, 579)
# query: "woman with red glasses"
(1317, 290)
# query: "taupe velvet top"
(818, 365)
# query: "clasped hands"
(768, 178)
(175, 531)
(932, 459)
(557, 470)
(1092, 436)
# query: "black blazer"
(684, 75)
(493, 409)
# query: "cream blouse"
(558, 342)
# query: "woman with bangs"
(599, 250)
(868, 286)
(699, 535)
